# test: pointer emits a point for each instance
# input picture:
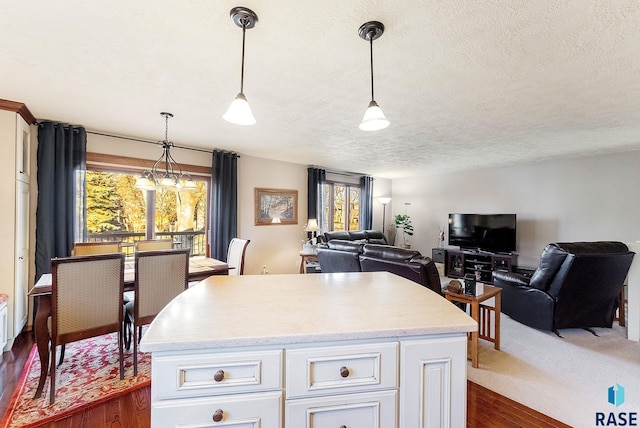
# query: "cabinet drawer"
(366, 410)
(263, 410)
(341, 369)
(211, 373)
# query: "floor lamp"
(384, 202)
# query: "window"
(116, 210)
(342, 206)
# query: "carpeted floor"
(88, 375)
(565, 378)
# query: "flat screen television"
(487, 232)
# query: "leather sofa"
(576, 285)
(370, 236)
(356, 256)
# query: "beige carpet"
(565, 378)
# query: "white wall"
(275, 246)
(586, 199)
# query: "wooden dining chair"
(88, 248)
(235, 255)
(86, 301)
(159, 277)
(153, 244)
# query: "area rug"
(565, 378)
(89, 375)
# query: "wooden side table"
(482, 314)
(307, 257)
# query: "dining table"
(199, 269)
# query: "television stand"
(479, 263)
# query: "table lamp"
(311, 228)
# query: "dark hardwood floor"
(485, 408)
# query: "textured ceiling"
(465, 84)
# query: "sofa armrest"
(503, 279)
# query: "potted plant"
(403, 221)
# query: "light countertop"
(253, 310)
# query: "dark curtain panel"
(224, 202)
(316, 179)
(61, 209)
(366, 202)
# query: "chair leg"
(126, 333)
(61, 355)
(121, 354)
(52, 389)
(135, 350)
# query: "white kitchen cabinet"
(261, 410)
(366, 410)
(15, 139)
(386, 362)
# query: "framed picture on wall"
(275, 206)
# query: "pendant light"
(373, 119)
(239, 111)
(171, 177)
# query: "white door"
(22, 258)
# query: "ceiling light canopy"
(239, 111)
(171, 176)
(374, 118)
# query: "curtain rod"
(147, 141)
(345, 173)
(39, 121)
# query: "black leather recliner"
(338, 255)
(354, 256)
(576, 285)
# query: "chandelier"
(165, 172)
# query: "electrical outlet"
(264, 270)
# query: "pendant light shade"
(374, 118)
(239, 111)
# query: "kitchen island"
(337, 350)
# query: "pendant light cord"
(244, 30)
(371, 34)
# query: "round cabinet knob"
(344, 372)
(217, 415)
(219, 376)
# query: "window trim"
(331, 200)
(103, 162)
(124, 164)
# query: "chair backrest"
(87, 296)
(235, 255)
(89, 248)
(153, 244)
(160, 276)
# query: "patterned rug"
(89, 375)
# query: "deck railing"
(195, 240)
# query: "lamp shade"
(145, 183)
(312, 225)
(239, 112)
(374, 118)
(384, 200)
